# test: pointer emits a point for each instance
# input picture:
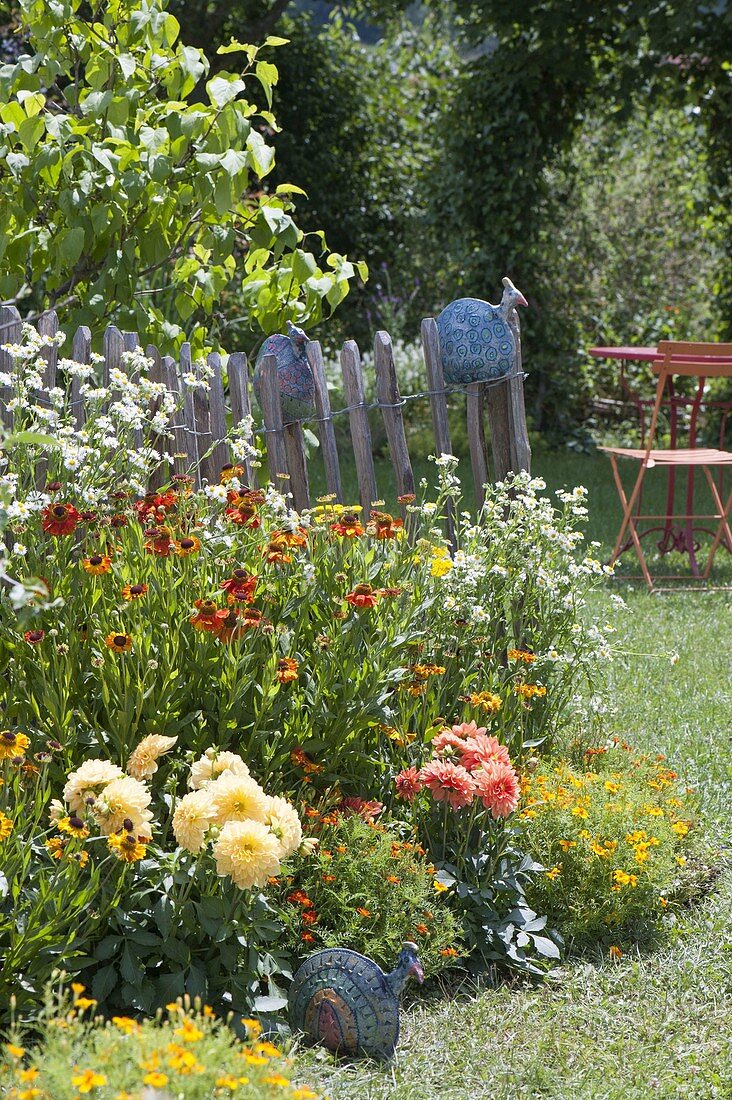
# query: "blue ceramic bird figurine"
(297, 388)
(477, 344)
(345, 1001)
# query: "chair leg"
(628, 519)
(723, 511)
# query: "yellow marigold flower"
(14, 1051)
(237, 798)
(254, 1059)
(88, 1080)
(13, 744)
(622, 878)
(84, 1002)
(612, 788)
(143, 760)
(584, 835)
(681, 860)
(554, 873)
(277, 1079)
(614, 951)
(188, 1032)
(304, 1093)
(6, 826)
(30, 1074)
(681, 828)
(653, 811)
(126, 847)
(269, 1049)
(228, 1082)
(181, 1060)
(599, 849)
(254, 1028)
(580, 811)
(440, 887)
(124, 1023)
(78, 988)
(156, 1079)
(565, 845)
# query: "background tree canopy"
(585, 151)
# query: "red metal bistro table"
(672, 537)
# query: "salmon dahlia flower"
(407, 784)
(481, 749)
(497, 786)
(448, 782)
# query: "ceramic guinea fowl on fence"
(477, 343)
(295, 378)
(345, 1001)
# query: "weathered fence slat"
(179, 445)
(360, 429)
(520, 446)
(476, 440)
(272, 415)
(297, 465)
(241, 409)
(325, 429)
(438, 404)
(113, 346)
(498, 420)
(387, 391)
(47, 326)
(190, 436)
(212, 451)
(11, 328)
(161, 474)
(80, 353)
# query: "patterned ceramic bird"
(345, 1001)
(477, 344)
(297, 388)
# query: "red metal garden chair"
(690, 360)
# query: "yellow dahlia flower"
(213, 764)
(248, 852)
(191, 820)
(237, 798)
(284, 823)
(122, 799)
(87, 782)
(143, 761)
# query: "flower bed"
(200, 674)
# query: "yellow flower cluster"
(251, 830)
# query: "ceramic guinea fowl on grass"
(346, 1002)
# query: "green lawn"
(653, 1025)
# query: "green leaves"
(137, 197)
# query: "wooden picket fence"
(201, 426)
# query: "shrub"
(184, 1052)
(369, 890)
(611, 837)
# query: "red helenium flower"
(60, 519)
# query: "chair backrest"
(691, 360)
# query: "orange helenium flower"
(205, 616)
(134, 591)
(186, 546)
(363, 597)
(287, 670)
(97, 564)
(240, 585)
(348, 526)
(33, 637)
(60, 519)
(120, 643)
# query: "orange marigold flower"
(60, 519)
(301, 760)
(119, 643)
(97, 564)
(186, 546)
(362, 912)
(421, 929)
(299, 897)
(328, 878)
(134, 591)
(363, 597)
(614, 951)
(287, 670)
(450, 953)
(348, 526)
(34, 637)
(205, 616)
(393, 879)
(309, 916)
(307, 937)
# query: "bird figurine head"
(511, 296)
(298, 338)
(407, 966)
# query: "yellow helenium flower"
(6, 826)
(13, 744)
(248, 852)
